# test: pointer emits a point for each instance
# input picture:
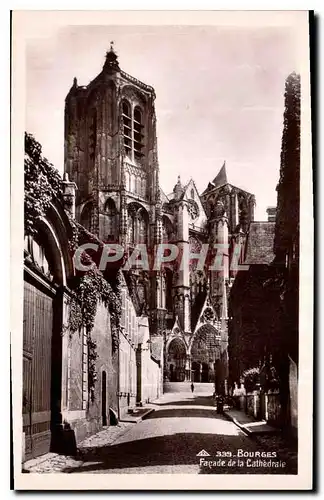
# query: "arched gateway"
(176, 361)
(205, 354)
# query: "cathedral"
(111, 155)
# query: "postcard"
(162, 231)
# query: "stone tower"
(111, 154)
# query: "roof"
(259, 245)
(196, 309)
(221, 177)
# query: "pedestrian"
(192, 387)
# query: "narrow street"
(169, 439)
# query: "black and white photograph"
(164, 238)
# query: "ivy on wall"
(42, 184)
(92, 288)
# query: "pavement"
(249, 424)
(137, 415)
(183, 434)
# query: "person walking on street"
(192, 387)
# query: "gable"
(191, 194)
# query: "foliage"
(42, 183)
(91, 288)
(251, 378)
(287, 220)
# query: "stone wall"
(293, 395)
(151, 378)
(127, 375)
(83, 415)
(273, 408)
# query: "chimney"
(69, 189)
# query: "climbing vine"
(92, 287)
(43, 184)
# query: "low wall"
(273, 408)
(261, 406)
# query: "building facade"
(82, 369)
(111, 154)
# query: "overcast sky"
(219, 95)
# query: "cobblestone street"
(168, 441)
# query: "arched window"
(142, 226)
(110, 220)
(93, 134)
(127, 180)
(143, 190)
(131, 229)
(138, 186)
(127, 127)
(138, 133)
(192, 193)
(167, 230)
(86, 216)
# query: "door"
(37, 347)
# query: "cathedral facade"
(111, 155)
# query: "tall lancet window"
(110, 220)
(138, 133)
(127, 127)
(86, 216)
(142, 226)
(131, 228)
(93, 135)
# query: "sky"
(219, 95)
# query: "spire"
(221, 177)
(178, 189)
(111, 58)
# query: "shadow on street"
(193, 401)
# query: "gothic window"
(193, 209)
(166, 230)
(192, 193)
(110, 220)
(127, 127)
(133, 130)
(143, 190)
(93, 134)
(138, 133)
(163, 301)
(131, 228)
(127, 176)
(142, 227)
(86, 216)
(138, 186)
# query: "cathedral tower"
(111, 154)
